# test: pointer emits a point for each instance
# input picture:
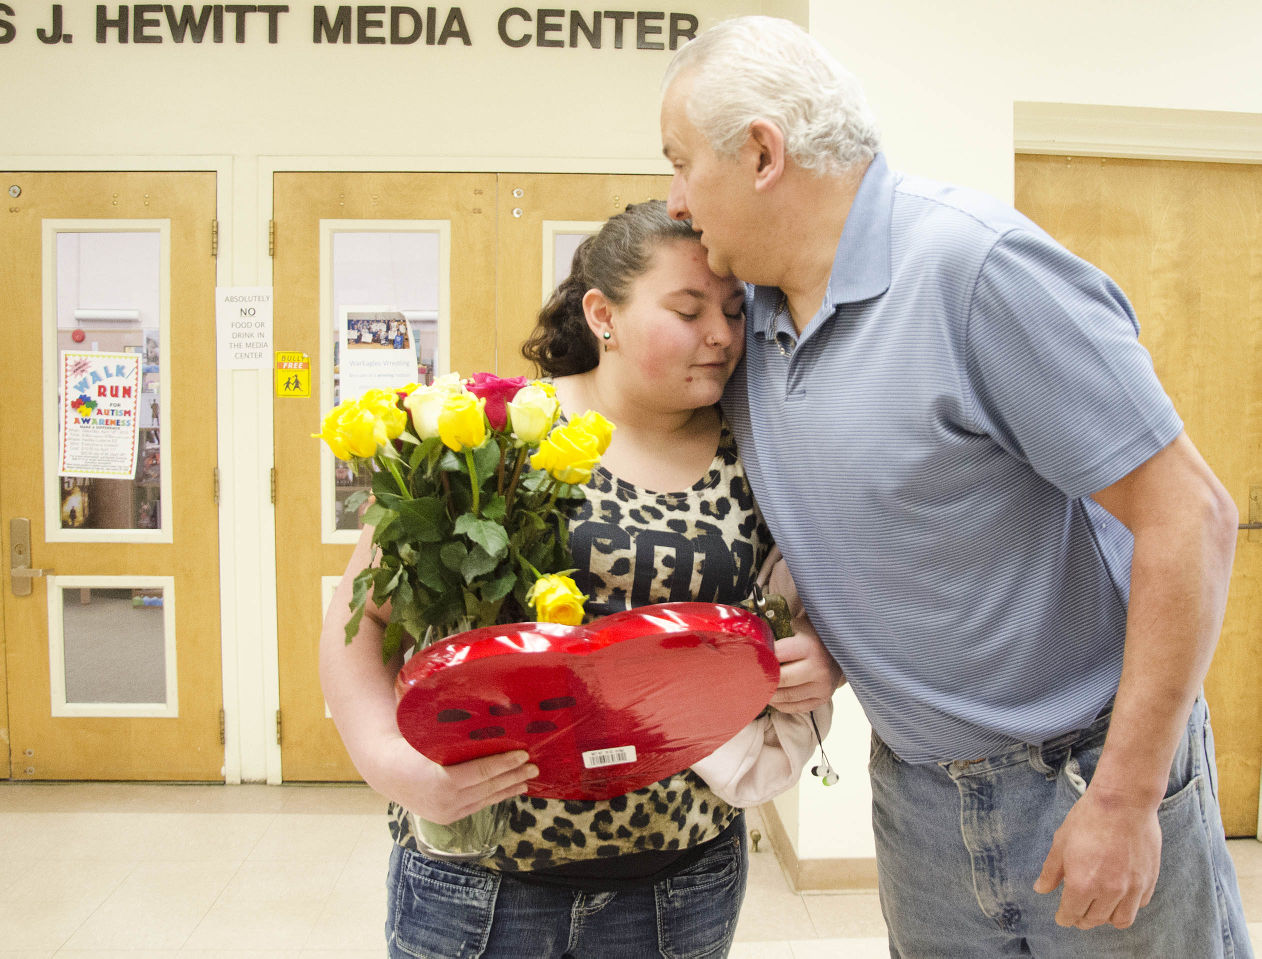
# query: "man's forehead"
(676, 127)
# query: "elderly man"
(991, 510)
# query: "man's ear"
(598, 311)
(767, 142)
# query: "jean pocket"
(439, 910)
(1080, 766)
(697, 908)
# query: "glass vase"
(474, 837)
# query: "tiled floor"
(100, 870)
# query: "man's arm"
(1108, 851)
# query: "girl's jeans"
(440, 910)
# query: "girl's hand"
(808, 673)
(443, 794)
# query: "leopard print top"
(633, 548)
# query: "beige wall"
(945, 80)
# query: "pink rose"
(497, 391)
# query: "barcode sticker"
(595, 758)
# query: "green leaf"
(485, 533)
(499, 587)
(352, 624)
(429, 571)
(569, 491)
(494, 508)
(477, 562)
(360, 586)
(384, 580)
(378, 516)
(446, 608)
(406, 610)
(486, 460)
(534, 480)
(480, 611)
(392, 641)
(452, 554)
(356, 499)
(424, 520)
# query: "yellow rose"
(532, 412)
(567, 455)
(352, 431)
(556, 600)
(592, 422)
(384, 404)
(331, 435)
(462, 424)
(424, 403)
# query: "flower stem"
(398, 477)
(473, 480)
(499, 469)
(511, 495)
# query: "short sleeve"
(1055, 370)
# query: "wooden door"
(112, 659)
(538, 212)
(498, 253)
(1182, 239)
(345, 241)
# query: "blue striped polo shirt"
(923, 454)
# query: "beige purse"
(768, 756)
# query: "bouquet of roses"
(470, 478)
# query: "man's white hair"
(765, 68)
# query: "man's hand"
(1108, 860)
(808, 673)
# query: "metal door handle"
(20, 571)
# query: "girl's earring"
(608, 336)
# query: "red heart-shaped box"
(604, 708)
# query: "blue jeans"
(960, 844)
(441, 910)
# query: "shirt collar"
(861, 268)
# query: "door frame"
(229, 536)
(131, 170)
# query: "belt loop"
(1039, 762)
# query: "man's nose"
(676, 205)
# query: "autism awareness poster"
(100, 415)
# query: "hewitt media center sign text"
(249, 22)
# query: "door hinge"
(278, 727)
(216, 485)
(273, 485)
(214, 237)
(271, 237)
(223, 739)
(1254, 526)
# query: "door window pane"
(109, 301)
(563, 247)
(112, 646)
(385, 311)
